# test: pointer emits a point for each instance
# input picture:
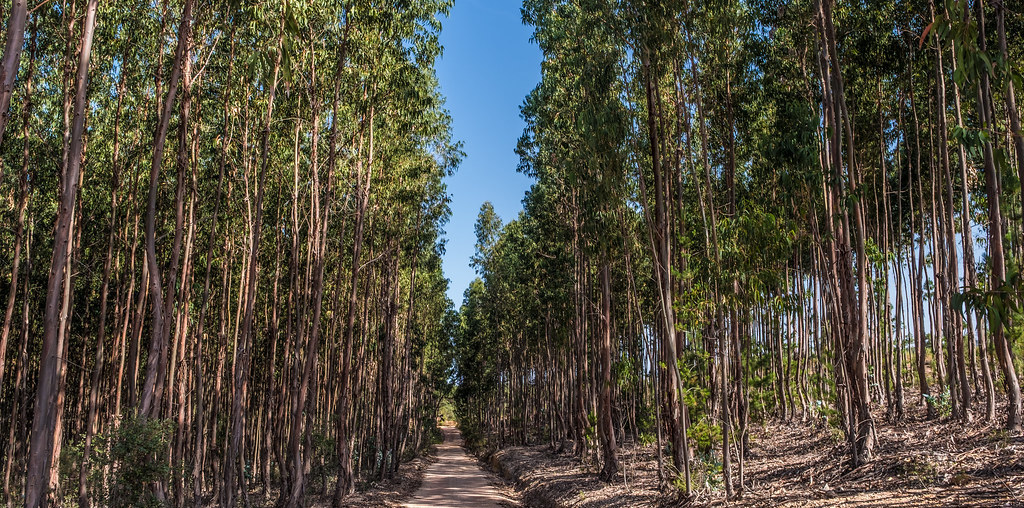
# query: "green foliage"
(324, 448)
(473, 435)
(832, 419)
(647, 439)
(136, 454)
(941, 403)
(590, 433)
(138, 459)
(706, 471)
(446, 411)
(701, 145)
(353, 74)
(646, 416)
(692, 367)
(760, 389)
(706, 435)
(999, 304)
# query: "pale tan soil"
(917, 463)
(455, 480)
(445, 477)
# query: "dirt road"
(456, 480)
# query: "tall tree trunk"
(24, 191)
(235, 469)
(1010, 94)
(970, 273)
(658, 227)
(346, 482)
(45, 416)
(995, 240)
(149, 405)
(295, 468)
(853, 330)
(605, 405)
(94, 386)
(11, 59)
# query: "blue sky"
(488, 67)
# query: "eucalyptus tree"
(13, 47)
(577, 103)
(964, 25)
(787, 226)
(47, 420)
(214, 163)
(652, 38)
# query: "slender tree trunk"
(94, 387)
(45, 419)
(1010, 94)
(24, 192)
(605, 405)
(11, 60)
(235, 468)
(995, 241)
(346, 481)
(149, 405)
(296, 473)
(660, 242)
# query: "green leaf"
(988, 63)
(286, 66)
(290, 23)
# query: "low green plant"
(646, 438)
(590, 433)
(941, 403)
(136, 455)
(679, 482)
(705, 435)
(325, 452)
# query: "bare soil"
(457, 481)
(794, 463)
(444, 477)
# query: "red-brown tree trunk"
(45, 418)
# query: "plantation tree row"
(221, 252)
(745, 210)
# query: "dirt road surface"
(455, 480)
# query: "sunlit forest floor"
(917, 463)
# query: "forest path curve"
(456, 480)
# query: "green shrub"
(136, 453)
(941, 403)
(646, 438)
(705, 435)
